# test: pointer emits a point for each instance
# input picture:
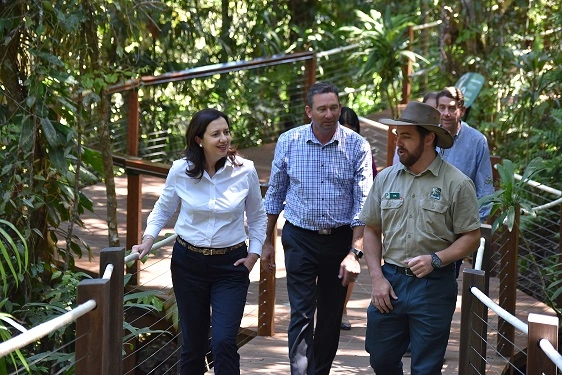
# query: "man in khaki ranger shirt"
(421, 216)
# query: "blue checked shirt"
(320, 186)
(471, 155)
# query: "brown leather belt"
(208, 250)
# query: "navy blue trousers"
(208, 286)
(313, 262)
(421, 315)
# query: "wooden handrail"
(209, 70)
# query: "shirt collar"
(310, 137)
(434, 167)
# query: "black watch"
(358, 253)
(436, 261)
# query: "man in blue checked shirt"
(323, 173)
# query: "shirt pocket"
(433, 216)
(391, 214)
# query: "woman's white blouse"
(212, 209)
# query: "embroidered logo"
(436, 193)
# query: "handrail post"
(390, 146)
(92, 331)
(266, 298)
(559, 299)
(309, 80)
(541, 327)
(508, 287)
(116, 257)
(474, 318)
(486, 232)
(134, 183)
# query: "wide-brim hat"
(427, 117)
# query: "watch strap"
(358, 253)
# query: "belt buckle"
(207, 251)
(325, 231)
(408, 272)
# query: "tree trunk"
(104, 132)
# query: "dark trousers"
(202, 283)
(421, 315)
(312, 262)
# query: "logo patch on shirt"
(436, 193)
(392, 195)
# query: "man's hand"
(381, 294)
(349, 269)
(420, 265)
(268, 257)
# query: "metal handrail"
(155, 246)
(511, 319)
(45, 328)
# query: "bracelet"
(147, 236)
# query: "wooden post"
(508, 288)
(407, 71)
(266, 309)
(541, 327)
(116, 257)
(559, 299)
(134, 183)
(486, 232)
(92, 330)
(390, 146)
(309, 80)
(474, 318)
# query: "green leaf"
(49, 132)
(510, 217)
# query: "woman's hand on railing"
(144, 247)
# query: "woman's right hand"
(144, 247)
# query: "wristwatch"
(436, 261)
(358, 253)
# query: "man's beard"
(410, 158)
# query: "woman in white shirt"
(211, 261)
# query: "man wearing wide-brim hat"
(423, 212)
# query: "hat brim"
(444, 138)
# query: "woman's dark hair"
(349, 117)
(193, 153)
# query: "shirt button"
(413, 195)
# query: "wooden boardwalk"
(266, 355)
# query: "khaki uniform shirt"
(420, 214)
